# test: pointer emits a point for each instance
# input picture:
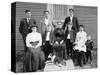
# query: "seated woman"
(89, 47)
(34, 56)
(80, 47)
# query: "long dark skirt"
(34, 60)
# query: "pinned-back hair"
(81, 26)
(71, 9)
(27, 11)
(46, 11)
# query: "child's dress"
(80, 41)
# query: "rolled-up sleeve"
(40, 40)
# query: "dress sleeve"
(85, 37)
(28, 41)
(40, 40)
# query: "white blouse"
(80, 41)
(33, 37)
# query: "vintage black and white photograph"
(53, 37)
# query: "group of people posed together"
(57, 42)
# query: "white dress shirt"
(80, 41)
(71, 19)
(33, 37)
(47, 36)
(68, 37)
(46, 21)
(28, 19)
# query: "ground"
(53, 67)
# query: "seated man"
(34, 56)
(80, 47)
(89, 47)
(59, 46)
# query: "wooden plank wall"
(88, 17)
(37, 12)
(59, 12)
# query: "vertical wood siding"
(59, 12)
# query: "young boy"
(89, 46)
(69, 39)
(80, 47)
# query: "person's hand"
(33, 43)
(43, 43)
(61, 41)
(51, 43)
(33, 47)
(56, 43)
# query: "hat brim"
(34, 26)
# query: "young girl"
(80, 47)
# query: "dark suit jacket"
(24, 27)
(75, 23)
(72, 35)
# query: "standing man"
(25, 24)
(73, 20)
(24, 27)
(46, 30)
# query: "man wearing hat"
(73, 19)
(34, 56)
